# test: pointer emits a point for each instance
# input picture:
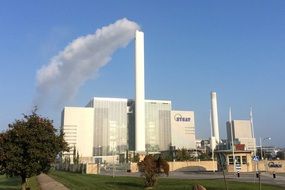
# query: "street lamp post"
(260, 142)
(232, 138)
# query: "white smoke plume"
(81, 60)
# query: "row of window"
(238, 159)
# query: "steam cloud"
(60, 80)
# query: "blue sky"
(235, 48)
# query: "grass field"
(80, 181)
(15, 183)
(9, 183)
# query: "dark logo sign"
(179, 118)
(274, 165)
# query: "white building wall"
(78, 126)
(248, 142)
(183, 129)
(242, 129)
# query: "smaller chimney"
(214, 116)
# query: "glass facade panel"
(158, 125)
(114, 126)
(110, 126)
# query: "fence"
(76, 168)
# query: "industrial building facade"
(106, 126)
(183, 129)
(242, 133)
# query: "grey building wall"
(112, 123)
(110, 126)
(157, 125)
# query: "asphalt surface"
(266, 178)
(47, 183)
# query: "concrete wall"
(277, 166)
(193, 166)
(271, 166)
(92, 168)
(187, 166)
(244, 168)
(133, 167)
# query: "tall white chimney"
(139, 95)
(214, 114)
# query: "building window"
(244, 161)
(231, 160)
(238, 160)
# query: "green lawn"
(81, 181)
(9, 183)
(15, 183)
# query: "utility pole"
(252, 130)
(261, 149)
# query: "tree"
(29, 147)
(75, 155)
(151, 167)
(204, 156)
(182, 154)
(281, 155)
(136, 157)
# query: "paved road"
(266, 178)
(48, 183)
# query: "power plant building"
(106, 126)
(242, 133)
